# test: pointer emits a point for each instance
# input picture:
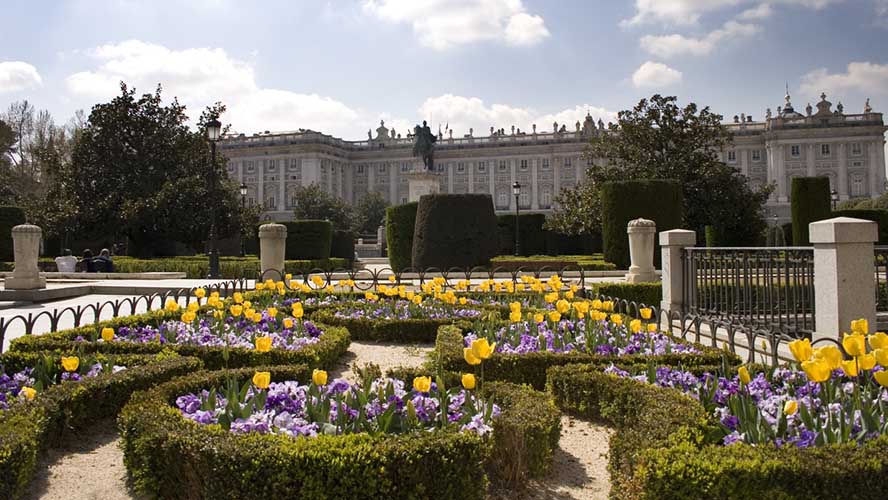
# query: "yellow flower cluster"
(480, 350)
(819, 363)
(70, 363)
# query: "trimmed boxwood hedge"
(655, 199)
(809, 203)
(399, 224)
(659, 449)
(309, 239)
(29, 428)
(343, 245)
(454, 230)
(170, 457)
(10, 217)
(324, 354)
(401, 330)
(532, 237)
(531, 368)
(650, 294)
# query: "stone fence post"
(671, 245)
(641, 251)
(272, 247)
(26, 248)
(844, 274)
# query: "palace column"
(393, 184)
(450, 177)
(843, 172)
(534, 191)
(781, 174)
(260, 191)
(371, 178)
(512, 179)
(491, 166)
(872, 172)
(809, 158)
(282, 190)
(471, 166)
(556, 176)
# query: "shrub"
(650, 294)
(343, 245)
(879, 216)
(399, 224)
(400, 330)
(810, 202)
(197, 267)
(27, 429)
(170, 457)
(454, 230)
(567, 244)
(621, 202)
(530, 368)
(309, 239)
(9, 218)
(532, 237)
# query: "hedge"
(399, 224)
(659, 449)
(879, 216)
(621, 202)
(333, 343)
(810, 202)
(27, 429)
(391, 330)
(309, 239)
(343, 246)
(531, 235)
(531, 368)
(10, 217)
(454, 230)
(171, 457)
(649, 294)
(197, 267)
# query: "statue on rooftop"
(424, 145)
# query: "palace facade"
(847, 148)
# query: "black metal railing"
(765, 289)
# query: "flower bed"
(170, 456)
(31, 425)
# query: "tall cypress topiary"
(532, 236)
(309, 239)
(454, 230)
(621, 202)
(9, 218)
(399, 223)
(810, 203)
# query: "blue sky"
(340, 67)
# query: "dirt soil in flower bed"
(89, 466)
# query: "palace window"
(360, 169)
(269, 203)
(294, 163)
(856, 149)
(460, 167)
(502, 199)
(523, 165)
(756, 155)
(405, 167)
(482, 166)
(856, 163)
(824, 149)
(795, 150)
(589, 162)
(440, 168)
(382, 169)
(857, 187)
(732, 156)
(524, 199)
(250, 166)
(294, 201)
(271, 165)
(545, 163)
(546, 199)
(502, 165)
(567, 162)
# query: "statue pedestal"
(422, 183)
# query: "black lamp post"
(243, 193)
(214, 129)
(516, 190)
(834, 196)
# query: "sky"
(340, 67)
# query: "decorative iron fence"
(767, 289)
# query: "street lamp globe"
(243, 190)
(516, 188)
(214, 129)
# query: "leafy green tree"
(140, 171)
(312, 202)
(658, 139)
(370, 213)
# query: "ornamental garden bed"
(388, 441)
(815, 429)
(233, 332)
(44, 399)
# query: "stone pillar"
(671, 245)
(422, 183)
(641, 251)
(844, 270)
(272, 248)
(26, 247)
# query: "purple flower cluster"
(403, 309)
(235, 332)
(11, 386)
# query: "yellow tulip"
(652, 327)
(831, 355)
(248, 304)
(257, 317)
(468, 381)
(551, 297)
(515, 316)
(470, 357)
(554, 316)
(645, 312)
(635, 325)
(260, 286)
(107, 334)
(272, 312)
(562, 306)
(200, 293)
(867, 361)
(319, 377)
(297, 311)
(463, 301)
(801, 349)
(193, 306)
(236, 310)
(188, 317)
(882, 378)
(171, 305)
(262, 380)
(878, 340)
(263, 344)
(743, 372)
(70, 364)
(616, 319)
(515, 306)
(317, 281)
(482, 349)
(817, 370)
(29, 392)
(596, 304)
(854, 344)
(238, 297)
(881, 357)
(422, 384)
(288, 323)
(850, 367)
(538, 318)
(790, 407)
(218, 314)
(860, 326)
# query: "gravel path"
(89, 466)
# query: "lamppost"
(243, 193)
(516, 190)
(214, 128)
(834, 196)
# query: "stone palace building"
(848, 148)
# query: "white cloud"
(864, 77)
(758, 13)
(655, 75)
(18, 75)
(281, 110)
(443, 24)
(881, 7)
(675, 45)
(463, 113)
(688, 12)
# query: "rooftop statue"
(424, 145)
